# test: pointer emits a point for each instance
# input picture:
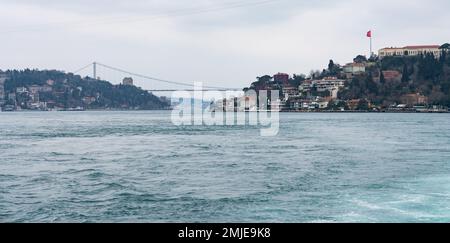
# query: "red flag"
(369, 34)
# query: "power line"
(173, 13)
(176, 13)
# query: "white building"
(290, 91)
(36, 89)
(323, 104)
(410, 51)
(328, 84)
(305, 86)
(2, 88)
(247, 103)
(277, 105)
(21, 90)
(355, 68)
(331, 84)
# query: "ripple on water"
(138, 167)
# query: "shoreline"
(413, 112)
(116, 110)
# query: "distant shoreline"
(115, 110)
(414, 112)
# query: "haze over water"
(138, 167)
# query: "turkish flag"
(369, 34)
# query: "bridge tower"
(94, 65)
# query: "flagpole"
(369, 35)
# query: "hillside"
(377, 83)
(50, 89)
(424, 75)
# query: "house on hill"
(410, 51)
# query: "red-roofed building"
(422, 47)
(410, 51)
(392, 76)
(414, 99)
(282, 78)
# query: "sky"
(224, 43)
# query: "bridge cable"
(82, 69)
(155, 79)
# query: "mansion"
(410, 51)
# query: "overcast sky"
(219, 42)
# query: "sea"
(136, 166)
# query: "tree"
(373, 58)
(429, 68)
(264, 79)
(65, 92)
(332, 68)
(363, 105)
(337, 105)
(382, 79)
(405, 74)
(372, 87)
(314, 74)
(443, 58)
(360, 59)
(445, 46)
(297, 79)
(436, 97)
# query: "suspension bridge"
(178, 86)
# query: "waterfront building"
(247, 103)
(34, 97)
(290, 91)
(12, 96)
(323, 104)
(305, 105)
(353, 104)
(410, 51)
(227, 105)
(38, 106)
(2, 88)
(220, 105)
(88, 100)
(414, 99)
(277, 105)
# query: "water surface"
(138, 167)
